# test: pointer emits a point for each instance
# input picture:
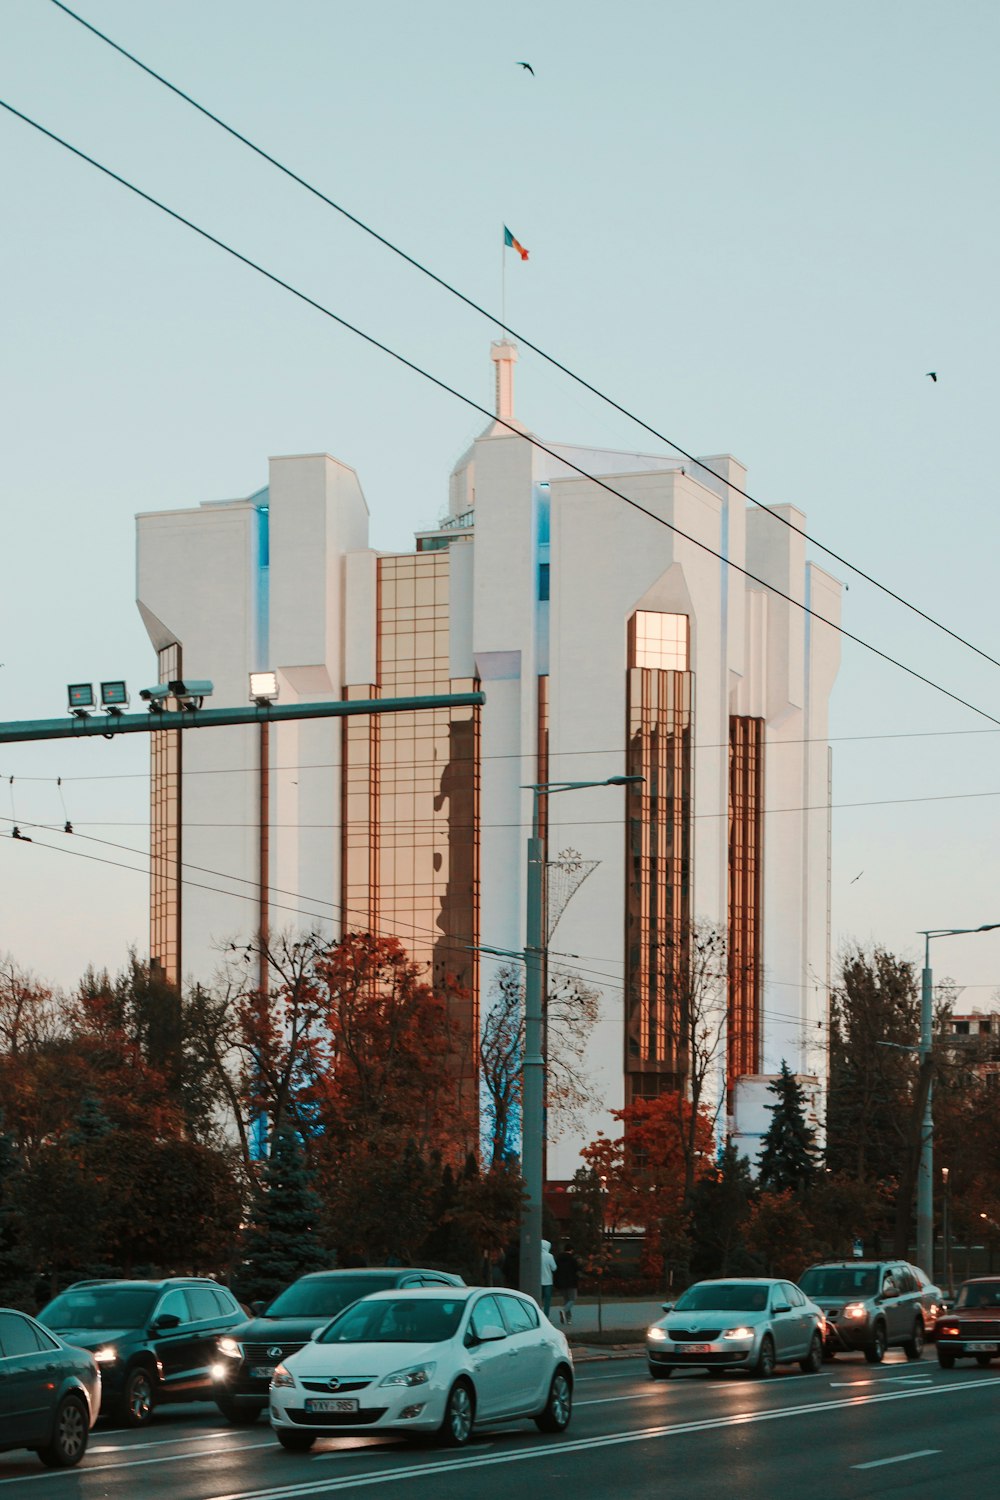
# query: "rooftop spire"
(504, 355)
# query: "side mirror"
(258, 1308)
(667, 1306)
(165, 1321)
(780, 1307)
(491, 1334)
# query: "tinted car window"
(518, 1316)
(839, 1281)
(322, 1298)
(226, 1302)
(979, 1294)
(17, 1336)
(100, 1307)
(792, 1295)
(404, 1320)
(709, 1297)
(904, 1279)
(486, 1314)
(202, 1302)
(175, 1305)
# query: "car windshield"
(323, 1298)
(839, 1281)
(100, 1307)
(979, 1294)
(403, 1320)
(723, 1297)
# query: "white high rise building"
(607, 644)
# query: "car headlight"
(741, 1332)
(106, 1354)
(950, 1330)
(855, 1310)
(415, 1375)
(282, 1376)
(229, 1347)
(656, 1334)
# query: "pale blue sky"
(757, 225)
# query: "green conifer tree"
(788, 1157)
(283, 1240)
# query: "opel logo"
(334, 1384)
(274, 1352)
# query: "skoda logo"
(334, 1384)
(274, 1352)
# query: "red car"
(971, 1329)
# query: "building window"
(659, 641)
(746, 871)
(961, 1028)
(543, 581)
(658, 852)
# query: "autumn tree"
(720, 1212)
(572, 1010)
(780, 1234)
(642, 1172)
(697, 989)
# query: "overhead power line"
(470, 302)
(476, 406)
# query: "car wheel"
(813, 1362)
(913, 1348)
(559, 1406)
(238, 1416)
(983, 1361)
(946, 1358)
(765, 1359)
(69, 1435)
(660, 1372)
(135, 1408)
(459, 1415)
(875, 1351)
(295, 1442)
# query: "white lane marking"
(139, 1463)
(560, 1449)
(900, 1458)
(201, 1437)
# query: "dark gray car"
(50, 1393)
(871, 1305)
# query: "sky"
(756, 226)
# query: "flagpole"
(503, 283)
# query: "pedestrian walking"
(565, 1278)
(548, 1271)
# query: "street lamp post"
(533, 1061)
(925, 1178)
(945, 1232)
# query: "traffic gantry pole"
(109, 726)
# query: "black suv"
(872, 1305)
(153, 1340)
(248, 1354)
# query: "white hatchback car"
(429, 1361)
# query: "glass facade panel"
(658, 853)
(746, 868)
(165, 754)
(411, 861)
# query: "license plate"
(981, 1348)
(329, 1404)
(261, 1372)
(696, 1348)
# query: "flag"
(511, 243)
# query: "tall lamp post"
(925, 1178)
(533, 1062)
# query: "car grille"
(336, 1418)
(693, 1336)
(341, 1388)
(255, 1352)
(981, 1329)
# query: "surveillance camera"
(191, 692)
(156, 696)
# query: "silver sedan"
(746, 1324)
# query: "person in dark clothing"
(566, 1278)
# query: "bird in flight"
(933, 375)
(528, 66)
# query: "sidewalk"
(622, 1328)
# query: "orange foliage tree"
(642, 1173)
